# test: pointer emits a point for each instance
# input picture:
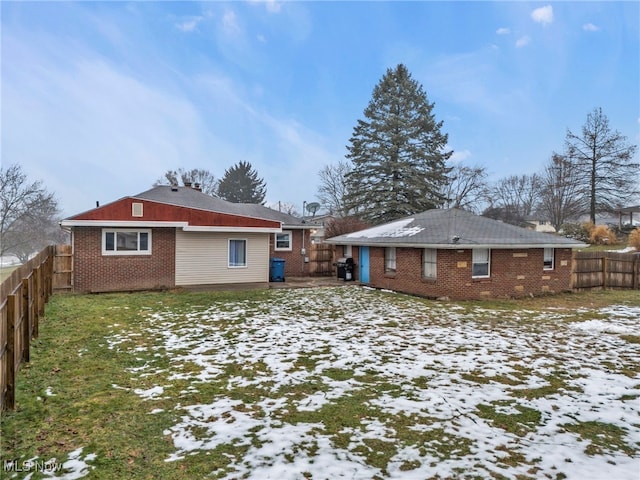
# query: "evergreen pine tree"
(240, 184)
(398, 152)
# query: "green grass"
(94, 406)
(6, 271)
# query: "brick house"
(456, 254)
(178, 236)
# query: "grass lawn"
(341, 382)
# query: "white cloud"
(459, 156)
(523, 41)
(543, 15)
(503, 31)
(590, 27)
(230, 23)
(189, 24)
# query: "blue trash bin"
(276, 270)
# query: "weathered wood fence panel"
(606, 270)
(63, 269)
(321, 259)
(23, 296)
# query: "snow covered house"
(456, 254)
(169, 237)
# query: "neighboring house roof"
(451, 229)
(183, 204)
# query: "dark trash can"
(276, 270)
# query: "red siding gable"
(121, 210)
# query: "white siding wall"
(202, 258)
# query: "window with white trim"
(390, 259)
(283, 240)
(126, 242)
(237, 253)
(481, 261)
(429, 262)
(347, 250)
(549, 257)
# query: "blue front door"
(364, 264)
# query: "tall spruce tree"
(398, 153)
(241, 184)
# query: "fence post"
(10, 365)
(604, 271)
(26, 318)
(35, 298)
(635, 282)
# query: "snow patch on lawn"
(477, 387)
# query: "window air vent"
(136, 209)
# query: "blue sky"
(100, 99)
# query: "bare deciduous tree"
(29, 215)
(513, 199)
(344, 225)
(467, 188)
(207, 181)
(560, 199)
(606, 172)
(333, 188)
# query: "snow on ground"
(340, 374)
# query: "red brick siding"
(294, 264)
(511, 276)
(94, 272)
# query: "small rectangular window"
(549, 257)
(481, 262)
(283, 240)
(429, 262)
(237, 253)
(126, 242)
(390, 259)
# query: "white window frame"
(480, 258)
(246, 249)
(347, 250)
(430, 263)
(116, 231)
(390, 263)
(549, 261)
(289, 233)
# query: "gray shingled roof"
(189, 197)
(452, 228)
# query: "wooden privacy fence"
(321, 259)
(22, 299)
(606, 270)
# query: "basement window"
(126, 242)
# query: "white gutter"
(120, 223)
(183, 225)
(460, 246)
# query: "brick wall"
(294, 265)
(513, 273)
(94, 272)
